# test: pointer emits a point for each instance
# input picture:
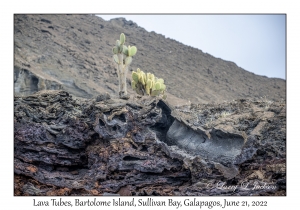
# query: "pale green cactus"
(133, 84)
(131, 50)
(116, 59)
(123, 58)
(115, 50)
(135, 76)
(125, 50)
(122, 38)
(147, 84)
(128, 61)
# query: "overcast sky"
(256, 43)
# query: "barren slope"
(73, 52)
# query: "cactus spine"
(123, 58)
(147, 84)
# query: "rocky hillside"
(73, 53)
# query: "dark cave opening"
(220, 146)
(161, 128)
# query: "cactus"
(135, 77)
(123, 58)
(147, 84)
(122, 38)
(116, 59)
(143, 83)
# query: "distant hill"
(74, 53)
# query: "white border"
(8, 201)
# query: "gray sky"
(256, 43)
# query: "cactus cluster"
(146, 83)
(142, 83)
(123, 58)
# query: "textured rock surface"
(73, 53)
(69, 146)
